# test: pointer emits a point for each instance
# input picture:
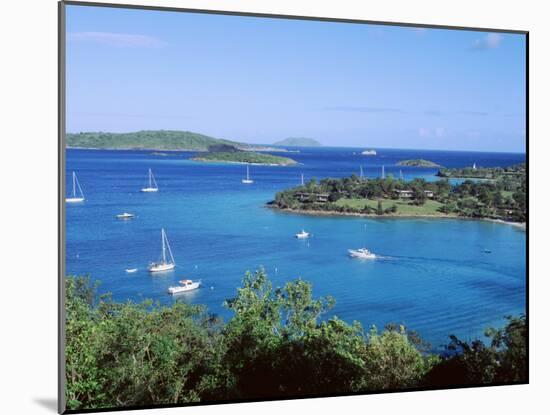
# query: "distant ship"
(369, 153)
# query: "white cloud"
(117, 39)
(489, 41)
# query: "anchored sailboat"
(167, 262)
(248, 180)
(302, 179)
(361, 172)
(75, 198)
(383, 172)
(152, 187)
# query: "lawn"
(403, 207)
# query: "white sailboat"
(167, 263)
(361, 172)
(152, 187)
(383, 172)
(76, 197)
(248, 180)
(302, 179)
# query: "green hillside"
(245, 157)
(298, 142)
(153, 140)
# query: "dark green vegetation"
(418, 163)
(237, 156)
(503, 198)
(298, 142)
(276, 345)
(153, 140)
(512, 173)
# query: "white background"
(28, 207)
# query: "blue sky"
(259, 80)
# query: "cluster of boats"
(167, 262)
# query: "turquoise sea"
(434, 275)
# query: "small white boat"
(125, 215)
(248, 180)
(369, 153)
(131, 270)
(361, 253)
(152, 186)
(185, 285)
(165, 264)
(302, 235)
(76, 196)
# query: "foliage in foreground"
(275, 345)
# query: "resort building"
(408, 194)
(317, 197)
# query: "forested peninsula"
(502, 198)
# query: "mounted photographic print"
(258, 207)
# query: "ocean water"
(433, 275)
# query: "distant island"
(418, 163)
(230, 154)
(489, 173)
(152, 140)
(298, 142)
(502, 199)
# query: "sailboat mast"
(163, 247)
(247, 173)
(383, 173)
(150, 174)
(74, 184)
(302, 179)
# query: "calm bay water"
(434, 276)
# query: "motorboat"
(369, 153)
(167, 261)
(184, 286)
(131, 270)
(361, 253)
(302, 235)
(125, 215)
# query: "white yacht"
(369, 153)
(361, 253)
(302, 235)
(125, 215)
(152, 187)
(248, 180)
(185, 285)
(131, 270)
(77, 196)
(166, 263)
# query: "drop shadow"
(48, 403)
